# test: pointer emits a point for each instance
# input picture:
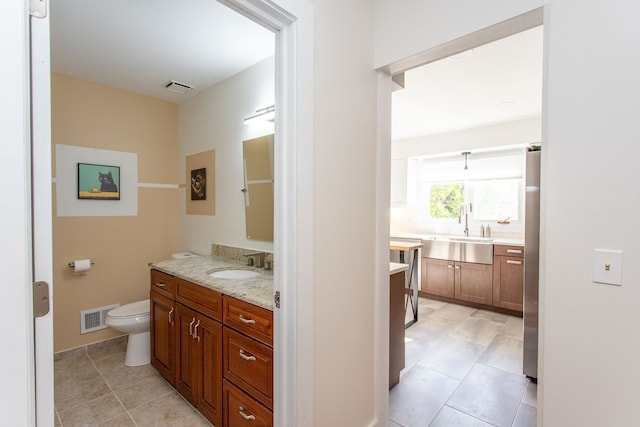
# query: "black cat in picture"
(106, 183)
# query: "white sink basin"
(234, 274)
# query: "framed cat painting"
(100, 182)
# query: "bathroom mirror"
(257, 156)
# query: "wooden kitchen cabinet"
(437, 277)
(474, 282)
(457, 280)
(162, 330)
(508, 277)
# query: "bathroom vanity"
(212, 338)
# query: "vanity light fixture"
(263, 114)
(466, 155)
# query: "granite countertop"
(257, 290)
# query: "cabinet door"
(508, 282)
(187, 359)
(163, 336)
(438, 277)
(474, 282)
(208, 336)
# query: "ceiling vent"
(178, 87)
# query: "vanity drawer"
(249, 319)
(240, 410)
(511, 251)
(163, 283)
(199, 298)
(249, 365)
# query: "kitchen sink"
(478, 250)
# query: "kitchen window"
(493, 184)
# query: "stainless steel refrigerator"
(531, 261)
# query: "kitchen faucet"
(462, 210)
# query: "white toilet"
(133, 319)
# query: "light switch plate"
(607, 267)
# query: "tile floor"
(93, 387)
(463, 368)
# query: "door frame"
(292, 21)
(486, 35)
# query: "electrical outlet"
(607, 267)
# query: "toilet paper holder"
(72, 264)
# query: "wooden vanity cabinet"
(162, 331)
(199, 361)
(457, 280)
(192, 349)
(247, 364)
(508, 277)
(162, 324)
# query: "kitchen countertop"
(257, 290)
(395, 267)
(495, 241)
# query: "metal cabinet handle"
(511, 261)
(160, 284)
(449, 266)
(457, 267)
(195, 331)
(514, 251)
(171, 316)
(245, 357)
(244, 415)
(246, 321)
(191, 326)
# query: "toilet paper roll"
(82, 266)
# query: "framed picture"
(199, 184)
(99, 182)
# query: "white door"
(19, 227)
(41, 216)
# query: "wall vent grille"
(95, 318)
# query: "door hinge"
(40, 299)
(276, 299)
(38, 8)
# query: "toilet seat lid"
(138, 308)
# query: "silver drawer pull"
(244, 415)
(171, 316)
(191, 326)
(160, 284)
(510, 261)
(449, 266)
(514, 251)
(457, 267)
(246, 321)
(245, 357)
(195, 331)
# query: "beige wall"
(91, 115)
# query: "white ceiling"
(495, 83)
(140, 45)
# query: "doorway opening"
(287, 85)
(461, 125)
